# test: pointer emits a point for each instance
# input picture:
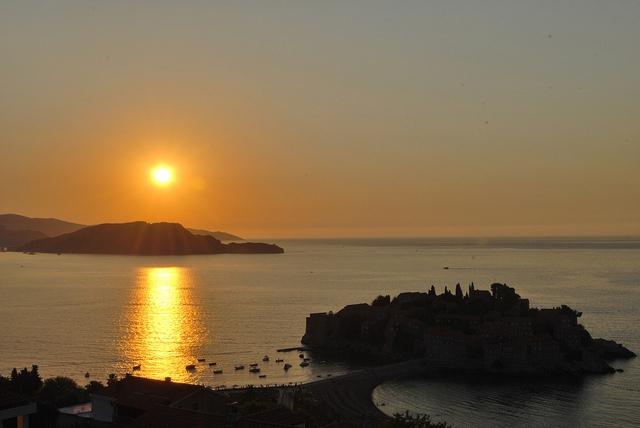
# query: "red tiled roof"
(172, 417)
(276, 417)
(142, 393)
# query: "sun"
(162, 175)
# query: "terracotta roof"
(172, 417)
(276, 417)
(142, 393)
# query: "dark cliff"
(141, 238)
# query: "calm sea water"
(103, 314)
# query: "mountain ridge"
(141, 238)
(18, 230)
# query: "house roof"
(142, 393)
(276, 417)
(160, 416)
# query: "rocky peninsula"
(478, 331)
(141, 238)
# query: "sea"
(88, 316)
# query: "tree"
(94, 386)
(62, 391)
(407, 420)
(381, 301)
(112, 380)
(26, 382)
(458, 292)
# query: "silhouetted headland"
(18, 230)
(141, 238)
(479, 332)
(218, 234)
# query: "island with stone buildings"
(477, 331)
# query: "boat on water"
(87, 374)
(265, 358)
(217, 371)
(279, 360)
(262, 376)
(212, 364)
(287, 366)
(254, 369)
(304, 364)
(137, 367)
(239, 367)
(190, 367)
(202, 360)
(253, 365)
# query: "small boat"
(201, 360)
(254, 369)
(253, 365)
(190, 367)
(87, 374)
(265, 358)
(217, 371)
(262, 376)
(446, 267)
(137, 367)
(287, 366)
(279, 360)
(304, 364)
(212, 364)
(239, 367)
(301, 355)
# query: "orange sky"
(327, 119)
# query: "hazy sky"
(326, 118)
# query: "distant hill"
(141, 238)
(17, 238)
(16, 230)
(222, 236)
(47, 226)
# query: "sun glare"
(162, 175)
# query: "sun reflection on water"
(164, 327)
